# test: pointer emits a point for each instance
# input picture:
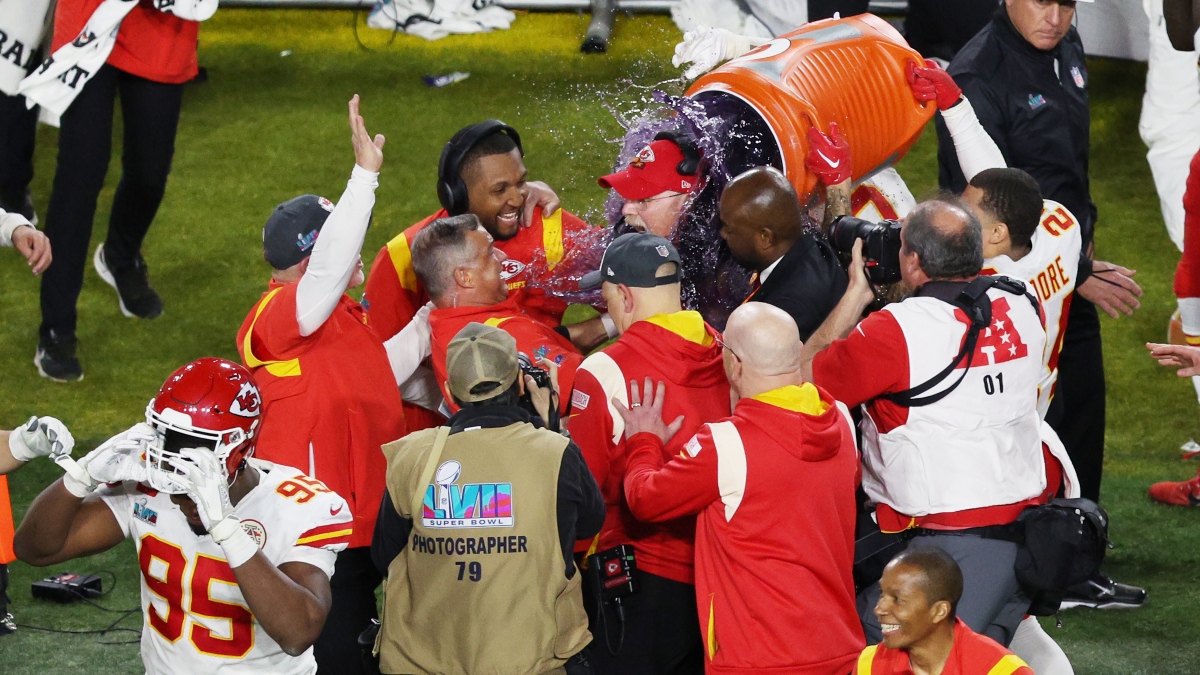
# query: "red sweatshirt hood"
(792, 413)
(681, 360)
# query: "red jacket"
(534, 339)
(330, 400)
(774, 489)
(972, 654)
(150, 44)
(393, 294)
(677, 349)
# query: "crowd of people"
(843, 477)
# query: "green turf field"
(267, 127)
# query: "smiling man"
(482, 172)
(461, 267)
(921, 633)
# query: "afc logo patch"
(1000, 341)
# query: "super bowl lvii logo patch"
(450, 505)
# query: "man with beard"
(482, 173)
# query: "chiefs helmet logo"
(247, 403)
(646, 156)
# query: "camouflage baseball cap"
(479, 354)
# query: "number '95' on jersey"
(196, 619)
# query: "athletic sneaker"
(1101, 592)
(55, 358)
(7, 624)
(134, 294)
(1182, 493)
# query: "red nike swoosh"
(334, 512)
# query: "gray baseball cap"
(291, 231)
(480, 354)
(633, 259)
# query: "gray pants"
(992, 602)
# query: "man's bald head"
(760, 212)
(765, 339)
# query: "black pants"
(4, 590)
(661, 630)
(824, 9)
(353, 585)
(151, 116)
(18, 126)
(941, 27)
(1077, 411)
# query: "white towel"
(61, 77)
(22, 27)
(435, 19)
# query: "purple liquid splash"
(732, 138)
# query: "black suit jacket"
(807, 283)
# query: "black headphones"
(451, 189)
(687, 145)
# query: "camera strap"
(974, 302)
(435, 454)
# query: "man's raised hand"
(828, 155)
(368, 152)
(646, 415)
(931, 83)
(539, 194)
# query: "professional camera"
(542, 379)
(881, 246)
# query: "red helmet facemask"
(213, 400)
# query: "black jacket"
(807, 283)
(581, 507)
(1038, 118)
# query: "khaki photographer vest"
(479, 588)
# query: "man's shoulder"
(291, 503)
(982, 654)
(813, 260)
(981, 57)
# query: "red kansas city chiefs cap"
(651, 171)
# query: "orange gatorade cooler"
(850, 71)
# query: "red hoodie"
(677, 349)
(534, 339)
(774, 489)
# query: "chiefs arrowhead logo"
(646, 156)
(247, 403)
(511, 268)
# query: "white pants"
(1170, 121)
(1039, 650)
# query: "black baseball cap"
(632, 259)
(291, 231)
